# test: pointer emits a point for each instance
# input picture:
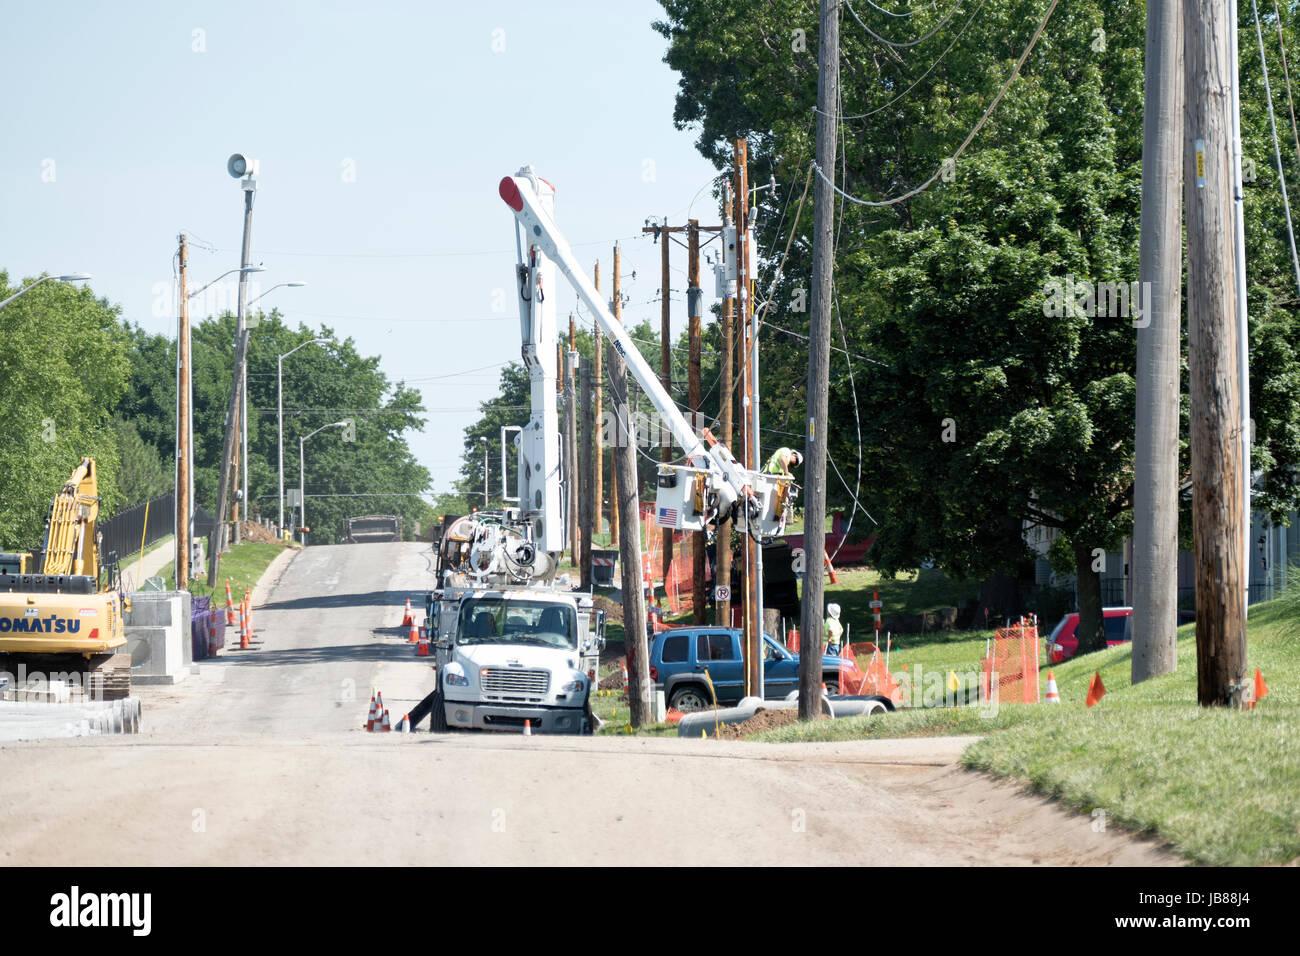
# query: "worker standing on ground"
(834, 630)
(781, 461)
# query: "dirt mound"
(252, 531)
(761, 721)
(613, 611)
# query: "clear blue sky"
(133, 125)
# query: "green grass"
(912, 592)
(1217, 785)
(243, 565)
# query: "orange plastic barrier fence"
(1013, 657)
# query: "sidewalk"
(135, 571)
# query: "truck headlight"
(574, 687)
(457, 680)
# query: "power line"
(966, 142)
(900, 46)
(938, 60)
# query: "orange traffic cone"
(404, 725)
(414, 636)
(422, 650)
(249, 617)
(406, 617)
(244, 641)
(387, 725)
(1053, 695)
(625, 677)
(230, 607)
(528, 727)
(371, 717)
(1096, 689)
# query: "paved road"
(262, 761)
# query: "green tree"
(63, 366)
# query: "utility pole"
(819, 360)
(571, 441)
(753, 623)
(184, 434)
(598, 450)
(217, 539)
(665, 374)
(613, 496)
(695, 313)
(722, 542)
(629, 538)
(1213, 355)
(1155, 468)
(585, 503)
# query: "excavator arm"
(70, 529)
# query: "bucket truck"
(514, 644)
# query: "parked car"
(680, 656)
(1064, 643)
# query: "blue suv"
(680, 657)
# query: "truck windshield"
(536, 623)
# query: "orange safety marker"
(1096, 689)
(1260, 689)
(406, 617)
(230, 607)
(835, 578)
(413, 637)
(387, 725)
(422, 649)
(372, 716)
(244, 633)
(528, 727)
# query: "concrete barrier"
(158, 636)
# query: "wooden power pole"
(722, 543)
(585, 461)
(819, 358)
(1212, 350)
(1155, 477)
(184, 436)
(695, 315)
(753, 627)
(665, 375)
(571, 442)
(598, 449)
(613, 496)
(629, 538)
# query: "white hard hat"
(833, 610)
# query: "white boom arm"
(765, 497)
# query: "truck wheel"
(832, 687)
(690, 697)
(438, 715)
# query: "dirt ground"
(761, 721)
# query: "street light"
(70, 277)
(224, 274)
(302, 482)
(485, 492)
(279, 411)
(253, 323)
(243, 425)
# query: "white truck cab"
(510, 655)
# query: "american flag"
(668, 517)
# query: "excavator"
(57, 618)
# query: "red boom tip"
(510, 193)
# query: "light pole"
(244, 271)
(70, 277)
(302, 481)
(243, 436)
(485, 473)
(279, 413)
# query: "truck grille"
(515, 683)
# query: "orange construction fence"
(681, 571)
(1013, 657)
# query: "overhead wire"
(1277, 148)
(1015, 72)
(901, 46)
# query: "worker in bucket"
(781, 461)
(834, 630)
